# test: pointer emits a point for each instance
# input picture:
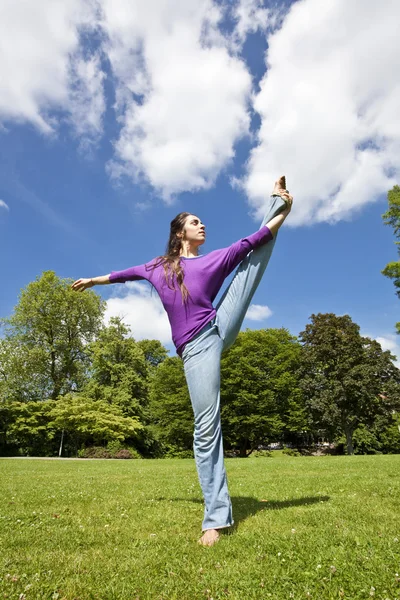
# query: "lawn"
(305, 527)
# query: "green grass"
(315, 527)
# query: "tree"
(154, 351)
(90, 421)
(43, 354)
(29, 428)
(119, 371)
(347, 379)
(260, 396)
(37, 427)
(170, 409)
(392, 217)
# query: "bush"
(291, 452)
(261, 454)
(123, 453)
(114, 446)
(94, 452)
(175, 452)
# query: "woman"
(188, 284)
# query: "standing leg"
(232, 307)
(201, 358)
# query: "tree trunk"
(349, 440)
(61, 444)
(243, 449)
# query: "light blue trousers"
(201, 358)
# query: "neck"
(189, 251)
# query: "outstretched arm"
(82, 284)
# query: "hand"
(82, 284)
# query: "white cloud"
(250, 16)
(329, 109)
(182, 97)
(257, 312)
(142, 311)
(41, 66)
(4, 205)
(86, 97)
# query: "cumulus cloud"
(250, 16)
(183, 98)
(328, 105)
(257, 312)
(42, 67)
(142, 311)
(4, 205)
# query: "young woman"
(188, 284)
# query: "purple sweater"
(203, 277)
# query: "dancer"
(187, 284)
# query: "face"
(194, 230)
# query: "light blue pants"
(201, 358)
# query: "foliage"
(392, 217)
(43, 354)
(30, 428)
(36, 427)
(290, 452)
(260, 396)
(261, 454)
(94, 452)
(390, 436)
(170, 408)
(91, 420)
(118, 371)
(347, 379)
(154, 352)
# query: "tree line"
(70, 385)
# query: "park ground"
(305, 527)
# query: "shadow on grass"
(245, 506)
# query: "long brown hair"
(171, 259)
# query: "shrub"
(291, 452)
(175, 452)
(123, 453)
(94, 452)
(261, 453)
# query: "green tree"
(43, 354)
(154, 351)
(260, 396)
(119, 371)
(37, 428)
(392, 217)
(29, 429)
(89, 421)
(347, 379)
(170, 409)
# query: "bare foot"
(280, 185)
(209, 537)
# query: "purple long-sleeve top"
(203, 278)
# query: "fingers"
(79, 285)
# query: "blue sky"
(91, 171)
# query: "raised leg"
(233, 305)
